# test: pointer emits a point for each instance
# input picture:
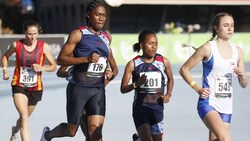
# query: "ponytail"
(213, 35)
(136, 47)
(141, 38)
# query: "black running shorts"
(92, 100)
(33, 96)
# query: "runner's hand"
(94, 58)
(238, 71)
(165, 98)
(142, 80)
(204, 93)
(37, 68)
(109, 75)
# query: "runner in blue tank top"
(150, 73)
(88, 51)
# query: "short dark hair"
(29, 23)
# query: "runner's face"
(150, 45)
(226, 28)
(31, 34)
(97, 18)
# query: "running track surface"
(181, 121)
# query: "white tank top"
(218, 76)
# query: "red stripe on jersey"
(36, 56)
(106, 35)
(136, 57)
(159, 58)
(82, 27)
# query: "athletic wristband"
(134, 86)
(4, 68)
(192, 84)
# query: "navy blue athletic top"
(147, 99)
(157, 80)
(91, 74)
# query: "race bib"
(97, 69)
(28, 77)
(153, 84)
(223, 88)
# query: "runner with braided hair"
(88, 51)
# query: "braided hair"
(93, 5)
(216, 22)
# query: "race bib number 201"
(153, 80)
(153, 84)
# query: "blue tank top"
(91, 74)
(156, 76)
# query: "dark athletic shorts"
(147, 113)
(92, 100)
(33, 96)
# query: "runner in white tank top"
(221, 61)
(222, 69)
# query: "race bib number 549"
(222, 87)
